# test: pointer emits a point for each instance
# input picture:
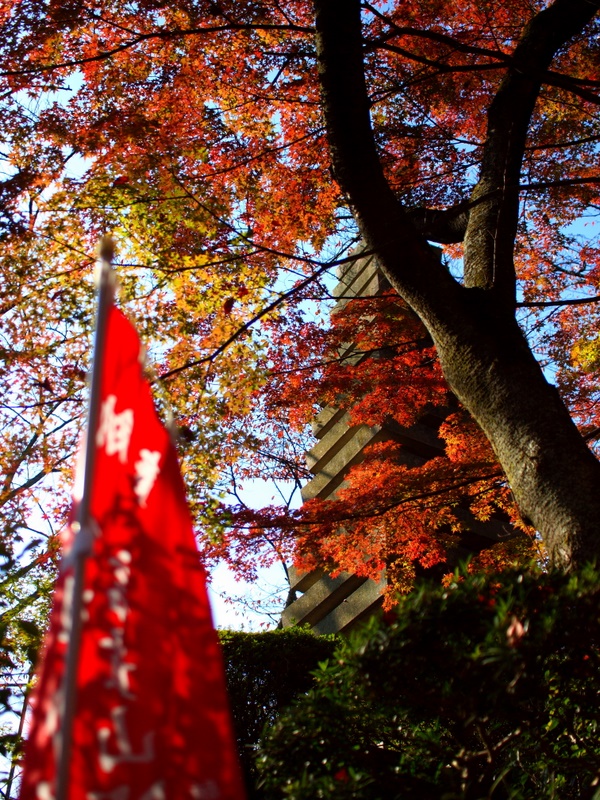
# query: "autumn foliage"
(405, 513)
(197, 133)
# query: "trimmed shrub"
(265, 673)
(488, 688)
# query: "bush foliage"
(265, 672)
(487, 688)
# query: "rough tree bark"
(485, 357)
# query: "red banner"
(151, 717)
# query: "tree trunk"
(484, 355)
(553, 475)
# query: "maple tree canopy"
(240, 151)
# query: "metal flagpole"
(83, 527)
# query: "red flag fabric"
(151, 716)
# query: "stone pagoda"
(333, 605)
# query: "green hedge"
(489, 688)
(265, 672)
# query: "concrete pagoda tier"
(333, 605)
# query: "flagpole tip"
(106, 249)
(104, 273)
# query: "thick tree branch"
(578, 86)
(566, 143)
(438, 64)
(572, 85)
(446, 226)
(492, 228)
(435, 36)
(449, 226)
(387, 228)
(549, 77)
